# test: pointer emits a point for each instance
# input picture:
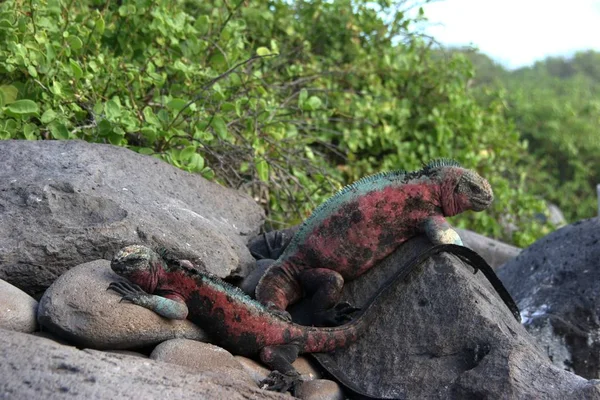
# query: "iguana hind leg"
(279, 359)
(282, 290)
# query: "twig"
(212, 82)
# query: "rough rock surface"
(77, 307)
(17, 309)
(445, 334)
(493, 251)
(63, 203)
(37, 368)
(556, 283)
(201, 357)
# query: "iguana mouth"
(480, 204)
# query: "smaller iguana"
(176, 290)
(362, 224)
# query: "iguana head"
(465, 189)
(140, 265)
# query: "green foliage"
(556, 108)
(287, 100)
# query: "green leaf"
(217, 61)
(149, 133)
(150, 117)
(220, 127)
(32, 71)
(112, 110)
(8, 94)
(74, 42)
(263, 51)
(23, 108)
(76, 69)
(313, 103)
(187, 152)
(262, 169)
(115, 138)
(202, 24)
(48, 116)
(30, 131)
(100, 25)
(208, 173)
(196, 162)
(145, 150)
(11, 126)
(58, 131)
(104, 127)
(4, 23)
(56, 88)
(177, 104)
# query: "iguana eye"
(476, 189)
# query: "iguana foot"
(129, 291)
(270, 245)
(278, 312)
(340, 314)
(278, 382)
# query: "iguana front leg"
(439, 231)
(171, 308)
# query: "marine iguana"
(362, 224)
(175, 289)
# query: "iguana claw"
(278, 382)
(280, 313)
(129, 291)
(338, 315)
(270, 245)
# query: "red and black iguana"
(362, 224)
(175, 289)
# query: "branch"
(213, 81)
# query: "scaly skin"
(362, 224)
(233, 320)
(176, 290)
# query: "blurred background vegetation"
(290, 100)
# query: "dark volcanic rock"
(445, 334)
(556, 282)
(38, 368)
(63, 203)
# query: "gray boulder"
(63, 203)
(556, 283)
(445, 334)
(77, 307)
(201, 357)
(38, 368)
(17, 309)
